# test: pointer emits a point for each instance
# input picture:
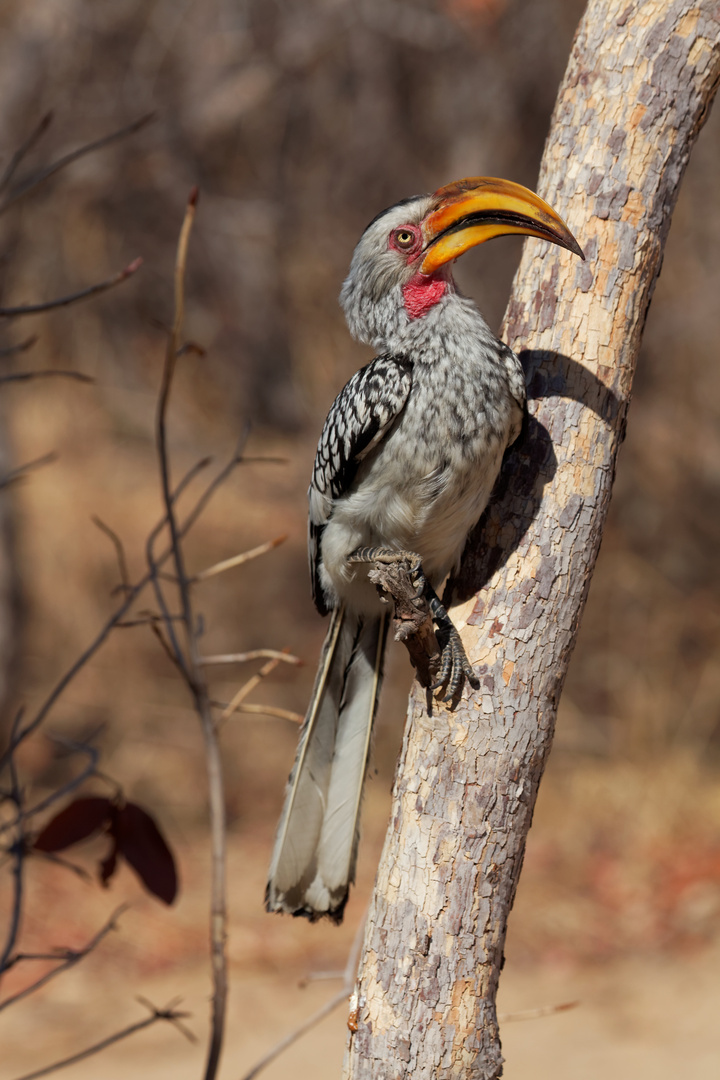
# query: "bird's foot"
(389, 557)
(454, 664)
(394, 570)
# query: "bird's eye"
(404, 238)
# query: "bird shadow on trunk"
(528, 466)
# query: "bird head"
(401, 267)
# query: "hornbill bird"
(406, 462)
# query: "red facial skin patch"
(423, 292)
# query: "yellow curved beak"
(469, 212)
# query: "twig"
(247, 689)
(348, 972)
(176, 653)
(22, 957)
(177, 1017)
(119, 549)
(83, 748)
(24, 149)
(236, 459)
(83, 294)
(348, 979)
(40, 177)
(67, 864)
(129, 600)
(49, 373)
(194, 675)
(192, 347)
(267, 710)
(238, 560)
(22, 346)
(253, 654)
(535, 1014)
(169, 1014)
(307, 1025)
(68, 959)
(18, 853)
(149, 619)
(165, 644)
(18, 474)
(188, 478)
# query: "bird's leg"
(454, 664)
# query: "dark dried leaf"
(76, 822)
(140, 841)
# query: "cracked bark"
(638, 87)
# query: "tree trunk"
(638, 87)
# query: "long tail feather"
(313, 861)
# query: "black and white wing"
(360, 416)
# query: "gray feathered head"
(401, 266)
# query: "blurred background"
(299, 121)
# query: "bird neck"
(451, 324)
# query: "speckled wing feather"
(360, 416)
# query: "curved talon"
(455, 664)
(447, 663)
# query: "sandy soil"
(650, 1013)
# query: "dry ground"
(642, 1012)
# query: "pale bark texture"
(638, 87)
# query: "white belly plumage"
(421, 501)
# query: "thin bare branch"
(21, 472)
(68, 958)
(319, 976)
(176, 1019)
(217, 482)
(173, 645)
(93, 756)
(187, 479)
(25, 147)
(21, 958)
(40, 177)
(72, 298)
(253, 654)
(22, 346)
(156, 627)
(18, 854)
(119, 549)
(535, 1014)
(238, 560)
(192, 347)
(348, 977)
(348, 972)
(149, 619)
(67, 864)
(307, 1025)
(267, 710)
(167, 618)
(169, 1014)
(247, 689)
(194, 674)
(131, 596)
(49, 373)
